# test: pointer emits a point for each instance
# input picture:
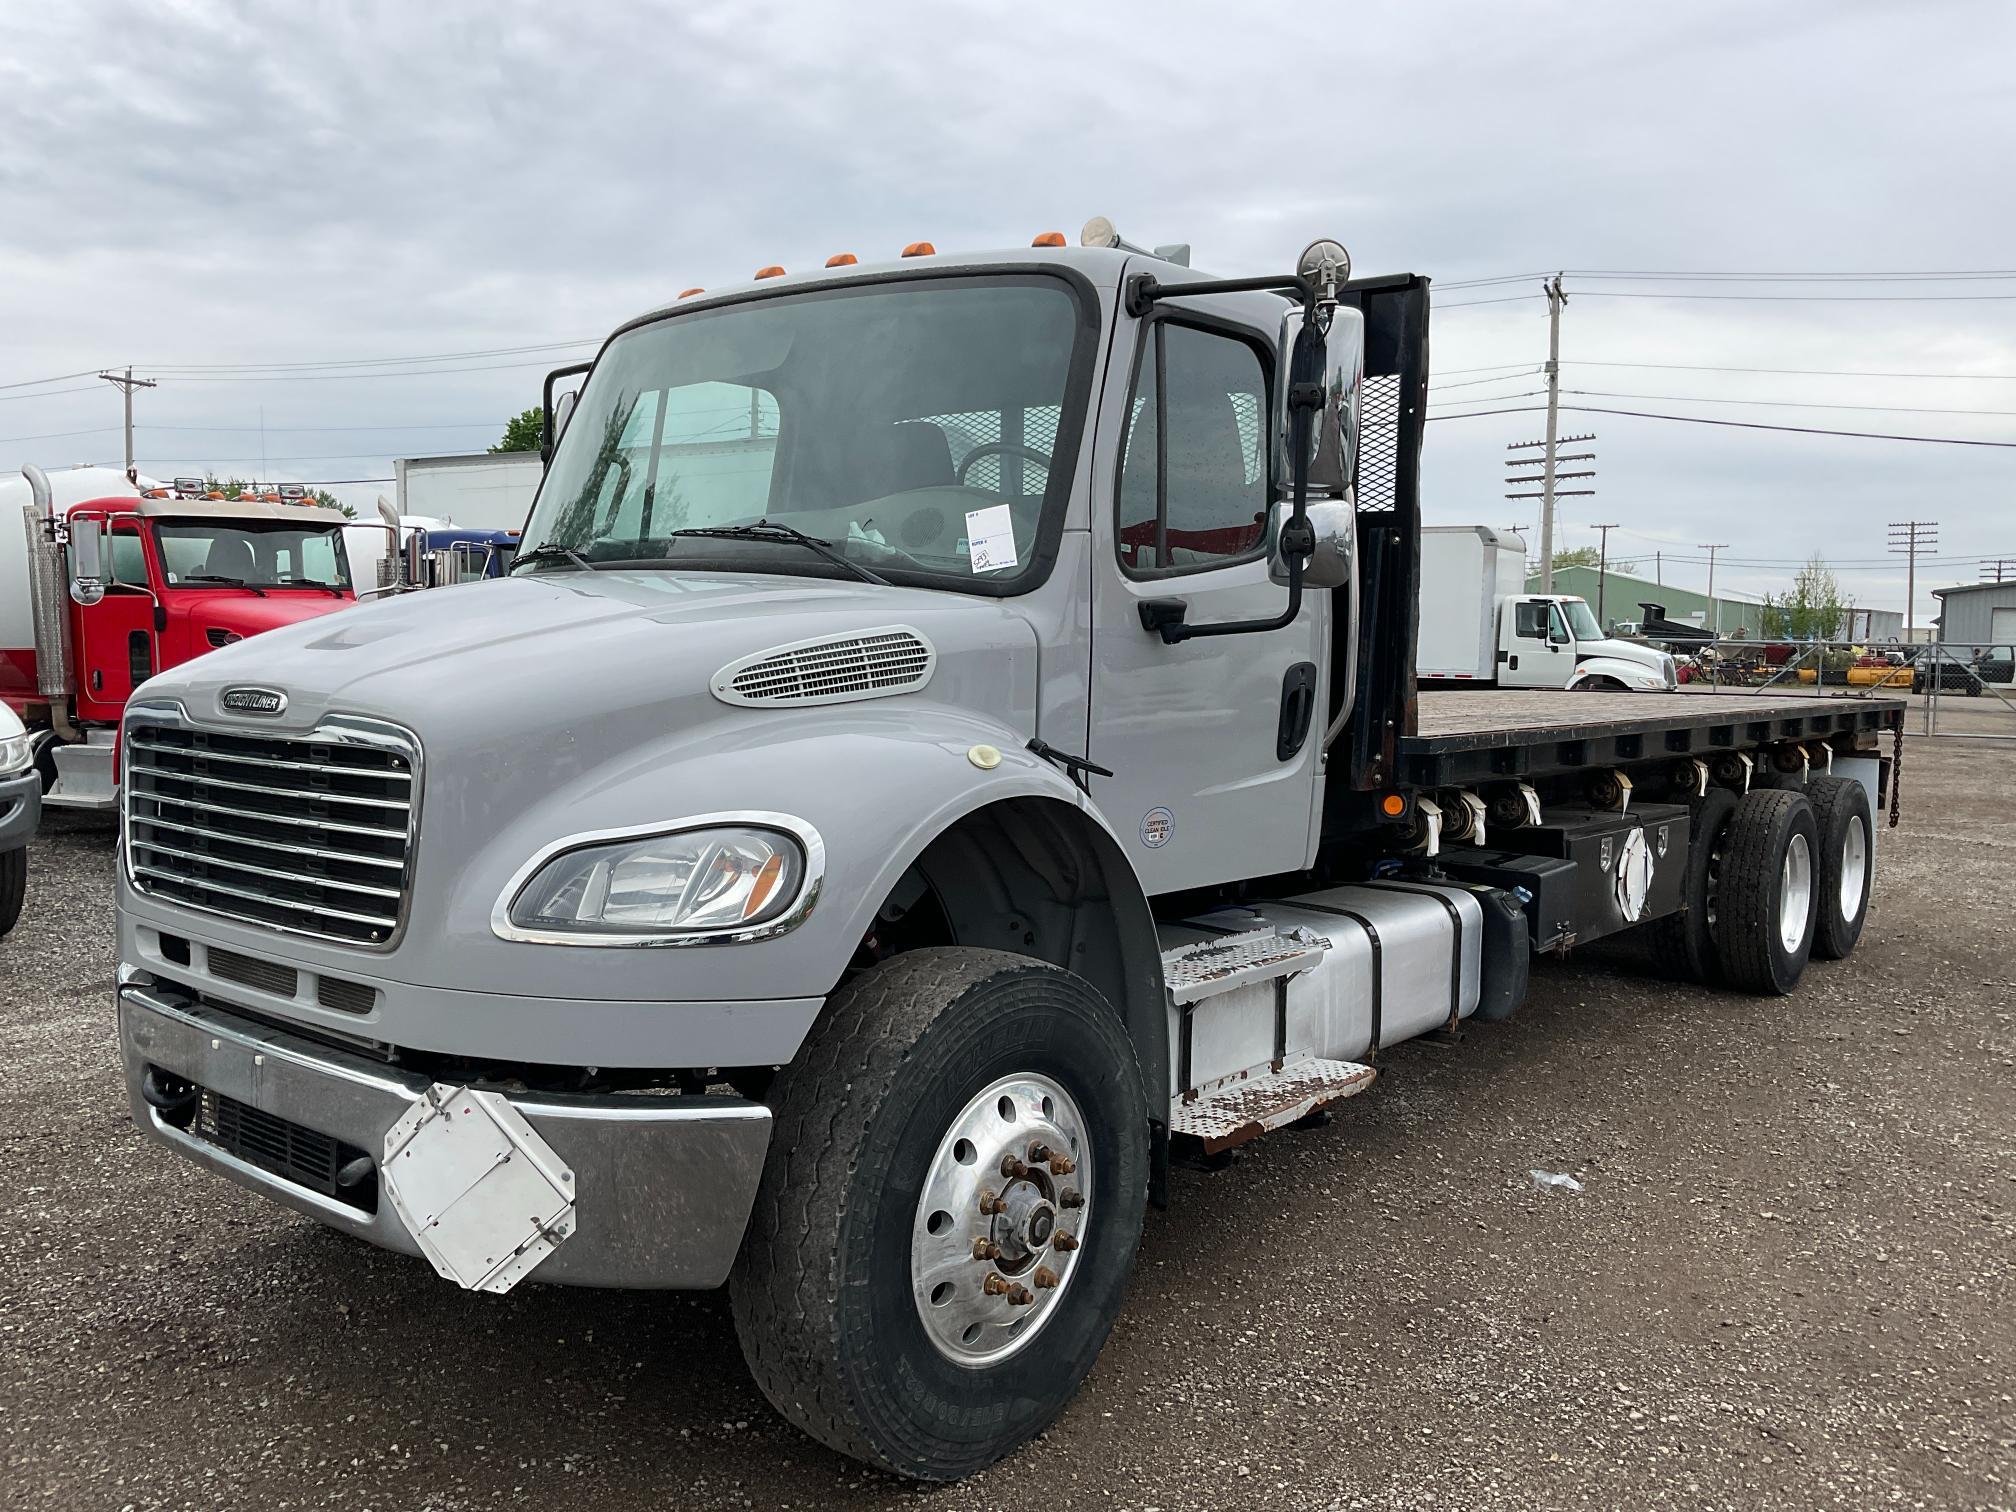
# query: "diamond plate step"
(1248, 1108)
(1210, 967)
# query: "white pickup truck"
(1479, 625)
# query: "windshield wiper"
(307, 582)
(228, 582)
(773, 530)
(552, 551)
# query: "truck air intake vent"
(878, 663)
(221, 637)
(309, 835)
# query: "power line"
(1797, 430)
(1898, 409)
(82, 388)
(1797, 298)
(1703, 367)
(349, 362)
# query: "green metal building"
(1728, 614)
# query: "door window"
(1529, 619)
(1193, 476)
(1557, 627)
(128, 560)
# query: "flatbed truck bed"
(1481, 734)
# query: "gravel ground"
(1787, 1281)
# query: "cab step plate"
(1247, 1108)
(1210, 967)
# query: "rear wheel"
(1847, 852)
(13, 885)
(949, 1211)
(1765, 894)
(1683, 942)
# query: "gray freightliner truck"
(947, 751)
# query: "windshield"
(924, 428)
(1581, 621)
(282, 554)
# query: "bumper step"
(1247, 1108)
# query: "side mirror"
(1335, 524)
(563, 411)
(1331, 448)
(87, 563)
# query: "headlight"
(16, 754)
(704, 882)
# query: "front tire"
(1847, 849)
(13, 885)
(1765, 903)
(926, 1077)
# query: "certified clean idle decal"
(1157, 825)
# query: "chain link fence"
(1963, 690)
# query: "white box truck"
(476, 490)
(1479, 625)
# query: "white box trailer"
(478, 490)
(1466, 570)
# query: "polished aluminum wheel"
(1854, 868)
(1001, 1218)
(1795, 893)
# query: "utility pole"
(1602, 567)
(1714, 604)
(126, 385)
(1907, 539)
(1659, 568)
(1555, 300)
(1545, 486)
(2001, 570)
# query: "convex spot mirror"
(87, 565)
(1335, 525)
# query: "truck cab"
(118, 587)
(1553, 641)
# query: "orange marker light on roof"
(773, 271)
(1049, 239)
(842, 260)
(920, 249)
(1393, 805)
(689, 293)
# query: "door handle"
(1298, 703)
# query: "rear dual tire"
(1767, 892)
(13, 885)
(1847, 851)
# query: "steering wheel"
(997, 448)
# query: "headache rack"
(309, 834)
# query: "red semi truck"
(105, 581)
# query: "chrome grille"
(309, 834)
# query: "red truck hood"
(241, 613)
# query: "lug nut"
(1044, 1277)
(1039, 1153)
(1020, 1296)
(996, 1285)
(1071, 1197)
(1062, 1165)
(990, 1204)
(1012, 1168)
(1064, 1241)
(987, 1249)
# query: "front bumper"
(664, 1185)
(20, 809)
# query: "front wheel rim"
(1854, 869)
(1795, 894)
(1001, 1220)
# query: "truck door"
(116, 643)
(1214, 742)
(1535, 649)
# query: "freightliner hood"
(551, 658)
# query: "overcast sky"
(194, 184)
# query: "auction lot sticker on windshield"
(990, 538)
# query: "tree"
(1589, 556)
(1814, 609)
(522, 432)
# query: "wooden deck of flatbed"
(1473, 734)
